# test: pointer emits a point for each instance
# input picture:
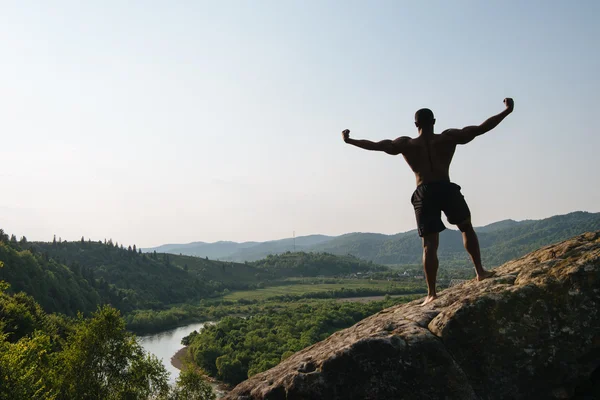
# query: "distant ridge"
(496, 226)
(500, 241)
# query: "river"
(165, 344)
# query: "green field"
(303, 288)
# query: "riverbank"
(180, 357)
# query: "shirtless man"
(429, 156)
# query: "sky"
(153, 122)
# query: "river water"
(165, 344)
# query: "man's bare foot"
(429, 299)
(484, 275)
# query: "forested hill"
(314, 264)
(500, 241)
(68, 277)
(78, 276)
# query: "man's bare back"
(429, 157)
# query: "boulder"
(532, 331)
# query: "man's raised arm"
(466, 134)
(392, 147)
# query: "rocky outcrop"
(530, 332)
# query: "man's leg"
(430, 264)
(471, 244)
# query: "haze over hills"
(500, 241)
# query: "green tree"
(104, 361)
(27, 368)
(190, 385)
(231, 370)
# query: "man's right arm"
(393, 147)
(466, 134)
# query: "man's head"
(424, 119)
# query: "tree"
(190, 385)
(231, 370)
(26, 367)
(104, 361)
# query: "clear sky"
(165, 122)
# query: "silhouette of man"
(429, 156)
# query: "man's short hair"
(424, 115)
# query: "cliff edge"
(531, 331)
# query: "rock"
(530, 332)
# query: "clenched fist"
(346, 135)
(509, 103)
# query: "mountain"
(496, 226)
(500, 241)
(498, 245)
(201, 249)
(262, 250)
(245, 251)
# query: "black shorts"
(430, 199)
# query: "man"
(429, 156)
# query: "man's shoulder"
(446, 132)
(404, 139)
(446, 137)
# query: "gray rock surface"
(530, 332)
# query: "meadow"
(338, 288)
